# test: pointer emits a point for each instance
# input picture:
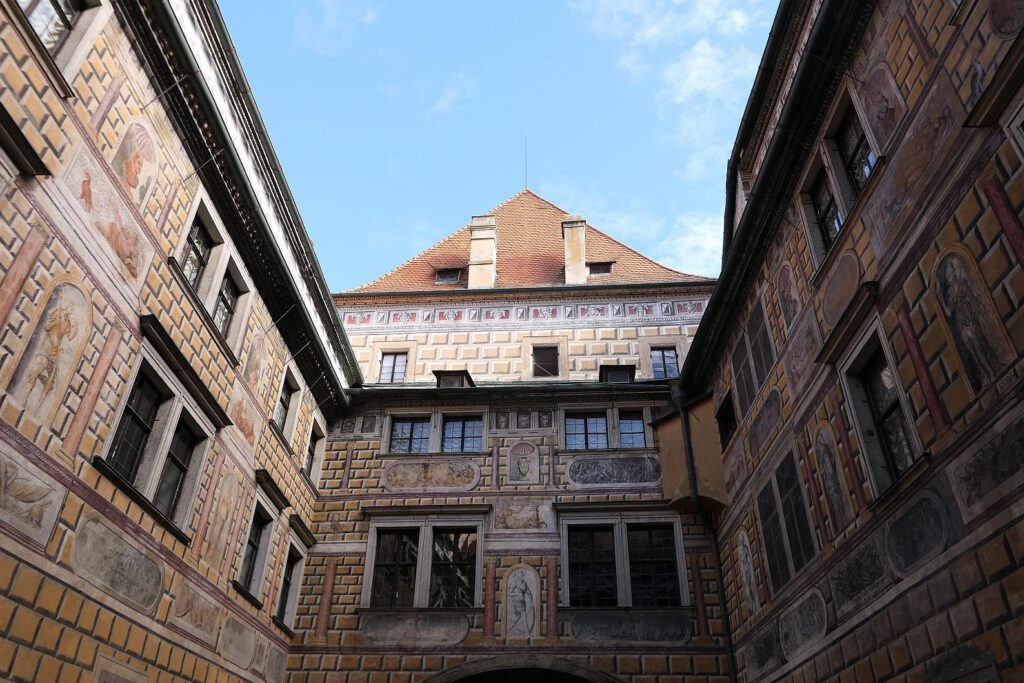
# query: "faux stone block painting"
(52, 354)
(104, 558)
(30, 500)
(109, 671)
(522, 602)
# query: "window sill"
(218, 337)
(435, 454)
(276, 431)
(283, 626)
(121, 483)
(606, 451)
(244, 592)
(631, 609)
(409, 611)
(889, 497)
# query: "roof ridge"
(412, 258)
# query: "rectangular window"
(726, 419)
(448, 276)
(284, 403)
(789, 544)
(314, 440)
(453, 568)
(392, 367)
(753, 358)
(586, 430)
(247, 576)
(197, 254)
(742, 370)
(410, 435)
(52, 20)
(857, 156)
(888, 421)
(653, 574)
(826, 211)
(285, 598)
(462, 434)
(545, 361)
(227, 301)
(135, 428)
(632, 429)
(592, 576)
(600, 268)
(664, 363)
(617, 373)
(394, 571)
(172, 478)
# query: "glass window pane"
(453, 568)
(394, 574)
(631, 429)
(774, 545)
(592, 580)
(653, 568)
(794, 513)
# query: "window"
(880, 418)
(664, 362)
(282, 409)
(255, 546)
(158, 446)
(448, 276)
(653, 574)
(726, 419)
(392, 367)
(753, 358)
(617, 373)
(453, 568)
(592, 581)
(52, 20)
(410, 435)
(312, 450)
(857, 156)
(224, 307)
(462, 434)
(632, 429)
(626, 560)
(827, 215)
(197, 254)
(586, 430)
(289, 587)
(425, 563)
(603, 268)
(453, 379)
(789, 544)
(545, 361)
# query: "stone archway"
(523, 669)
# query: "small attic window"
(447, 276)
(453, 379)
(600, 268)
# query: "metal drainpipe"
(683, 408)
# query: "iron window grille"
(826, 210)
(392, 367)
(52, 20)
(586, 431)
(135, 428)
(664, 363)
(632, 433)
(890, 424)
(410, 435)
(854, 150)
(653, 572)
(453, 568)
(227, 301)
(197, 254)
(462, 434)
(172, 478)
(545, 361)
(592, 575)
(394, 571)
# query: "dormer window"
(600, 268)
(617, 373)
(448, 276)
(453, 379)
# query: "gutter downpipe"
(682, 404)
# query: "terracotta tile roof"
(530, 254)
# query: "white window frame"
(426, 525)
(259, 571)
(436, 417)
(645, 413)
(850, 364)
(178, 406)
(611, 425)
(619, 521)
(289, 378)
(744, 338)
(319, 434)
(296, 546)
(69, 58)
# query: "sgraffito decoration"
(522, 602)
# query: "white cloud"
(328, 25)
(460, 88)
(656, 22)
(695, 245)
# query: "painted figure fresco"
(882, 103)
(218, 530)
(803, 348)
(747, 572)
(789, 300)
(835, 494)
(521, 610)
(135, 162)
(256, 365)
(1006, 17)
(975, 328)
(53, 351)
(105, 212)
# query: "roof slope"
(530, 254)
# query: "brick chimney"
(483, 251)
(574, 234)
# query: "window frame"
(293, 583)
(177, 405)
(289, 379)
(391, 379)
(426, 525)
(62, 65)
(534, 364)
(749, 357)
(730, 405)
(605, 370)
(662, 350)
(620, 521)
(265, 508)
(462, 417)
(645, 428)
(586, 414)
(770, 481)
(313, 456)
(850, 365)
(438, 276)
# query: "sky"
(395, 122)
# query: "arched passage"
(523, 669)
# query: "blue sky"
(397, 121)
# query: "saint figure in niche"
(976, 331)
(789, 302)
(747, 572)
(521, 609)
(831, 481)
